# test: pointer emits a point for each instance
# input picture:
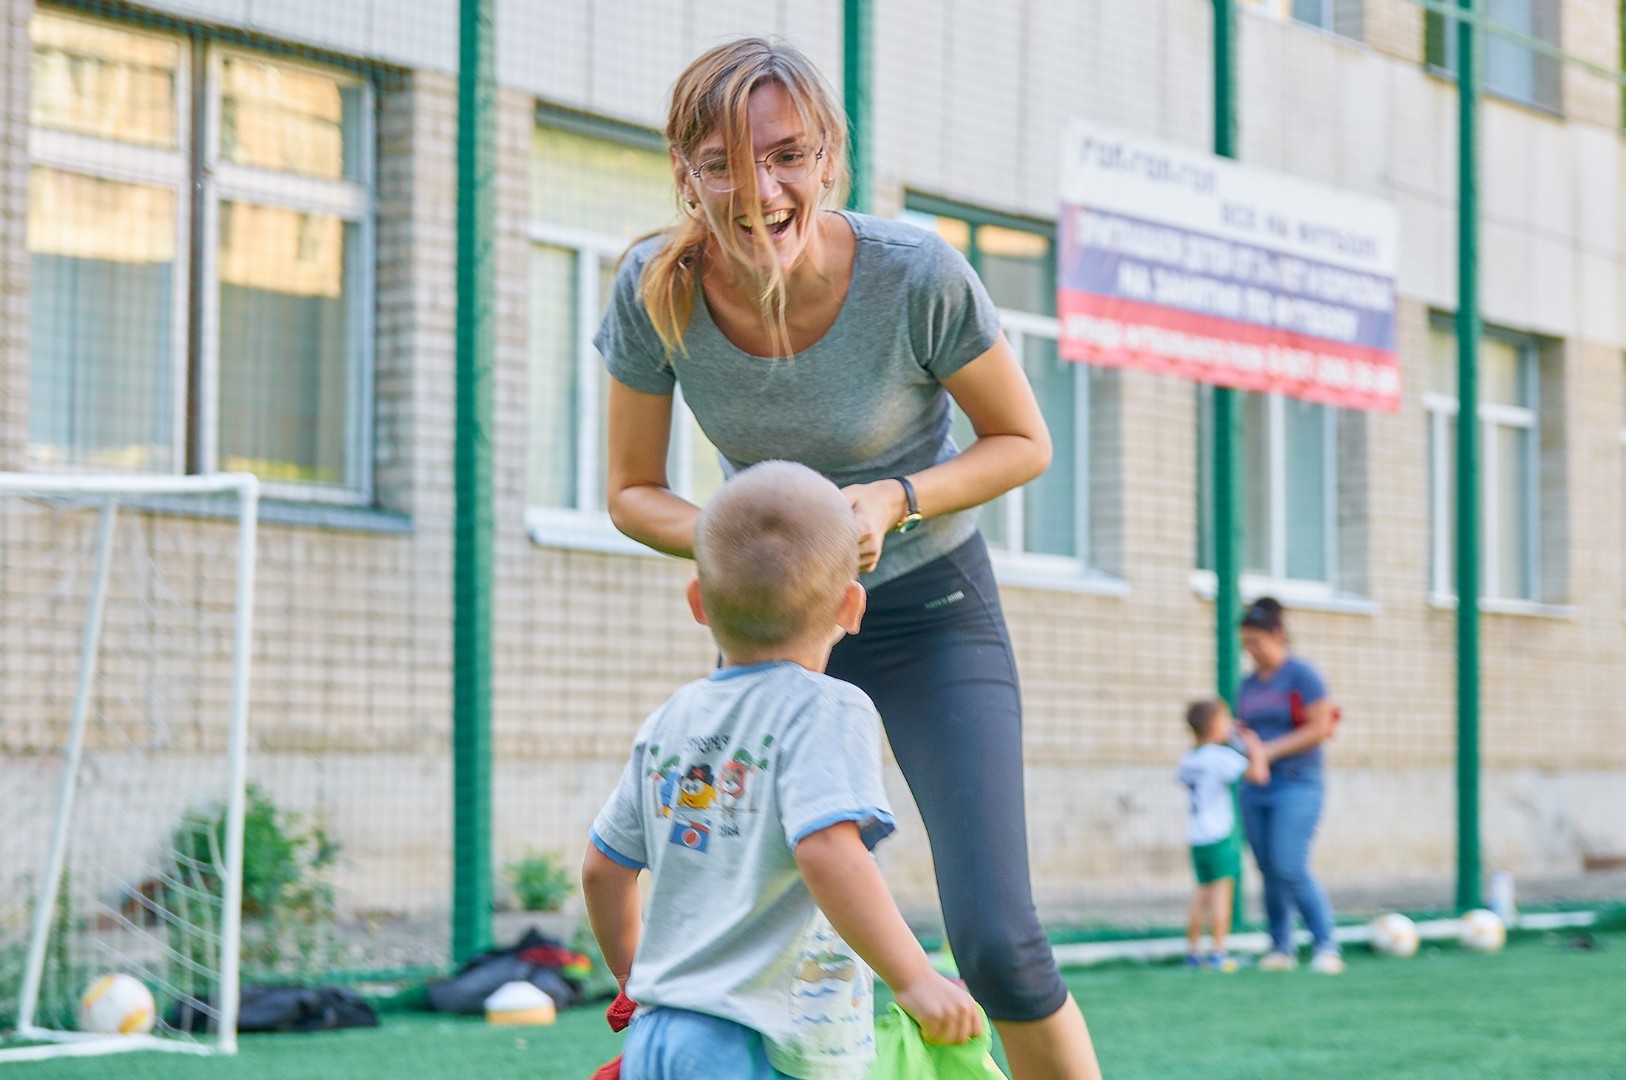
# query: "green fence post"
(855, 87)
(1227, 430)
(471, 622)
(1467, 549)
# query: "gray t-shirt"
(862, 403)
(1209, 772)
(724, 780)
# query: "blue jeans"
(675, 1044)
(1280, 820)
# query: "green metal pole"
(1227, 448)
(1227, 405)
(1468, 547)
(857, 46)
(471, 621)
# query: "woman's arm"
(1258, 759)
(640, 500)
(1011, 448)
(1317, 729)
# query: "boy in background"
(1210, 771)
(765, 905)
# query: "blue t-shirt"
(1266, 706)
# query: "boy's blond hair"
(775, 550)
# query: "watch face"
(907, 523)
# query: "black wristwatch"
(914, 516)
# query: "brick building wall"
(352, 683)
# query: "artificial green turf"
(1538, 1010)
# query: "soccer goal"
(125, 610)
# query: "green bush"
(288, 905)
(539, 880)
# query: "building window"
(595, 187)
(1344, 17)
(1296, 496)
(202, 293)
(1509, 463)
(1510, 69)
(1067, 519)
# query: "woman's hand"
(877, 506)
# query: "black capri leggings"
(935, 656)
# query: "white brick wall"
(353, 684)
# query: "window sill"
(1053, 573)
(307, 515)
(581, 530)
(1501, 606)
(1542, 109)
(1297, 594)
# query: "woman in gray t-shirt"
(838, 340)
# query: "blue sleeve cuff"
(874, 825)
(612, 854)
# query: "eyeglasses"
(788, 165)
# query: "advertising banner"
(1176, 261)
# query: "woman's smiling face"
(790, 174)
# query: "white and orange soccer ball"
(1394, 935)
(117, 1004)
(1482, 931)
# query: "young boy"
(1210, 770)
(776, 802)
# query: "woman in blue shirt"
(1285, 702)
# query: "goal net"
(125, 607)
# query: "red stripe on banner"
(1110, 332)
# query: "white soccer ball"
(117, 1005)
(1482, 931)
(1394, 935)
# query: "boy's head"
(776, 559)
(1210, 720)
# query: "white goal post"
(126, 606)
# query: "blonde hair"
(711, 96)
(775, 550)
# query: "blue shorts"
(675, 1044)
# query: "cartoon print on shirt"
(694, 792)
(831, 995)
(662, 775)
(698, 787)
(731, 787)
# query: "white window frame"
(587, 526)
(1274, 579)
(1622, 490)
(353, 201)
(1440, 410)
(1013, 565)
(110, 159)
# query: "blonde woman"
(839, 340)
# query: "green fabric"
(1219, 860)
(902, 1054)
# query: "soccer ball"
(1394, 935)
(117, 1005)
(1482, 931)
